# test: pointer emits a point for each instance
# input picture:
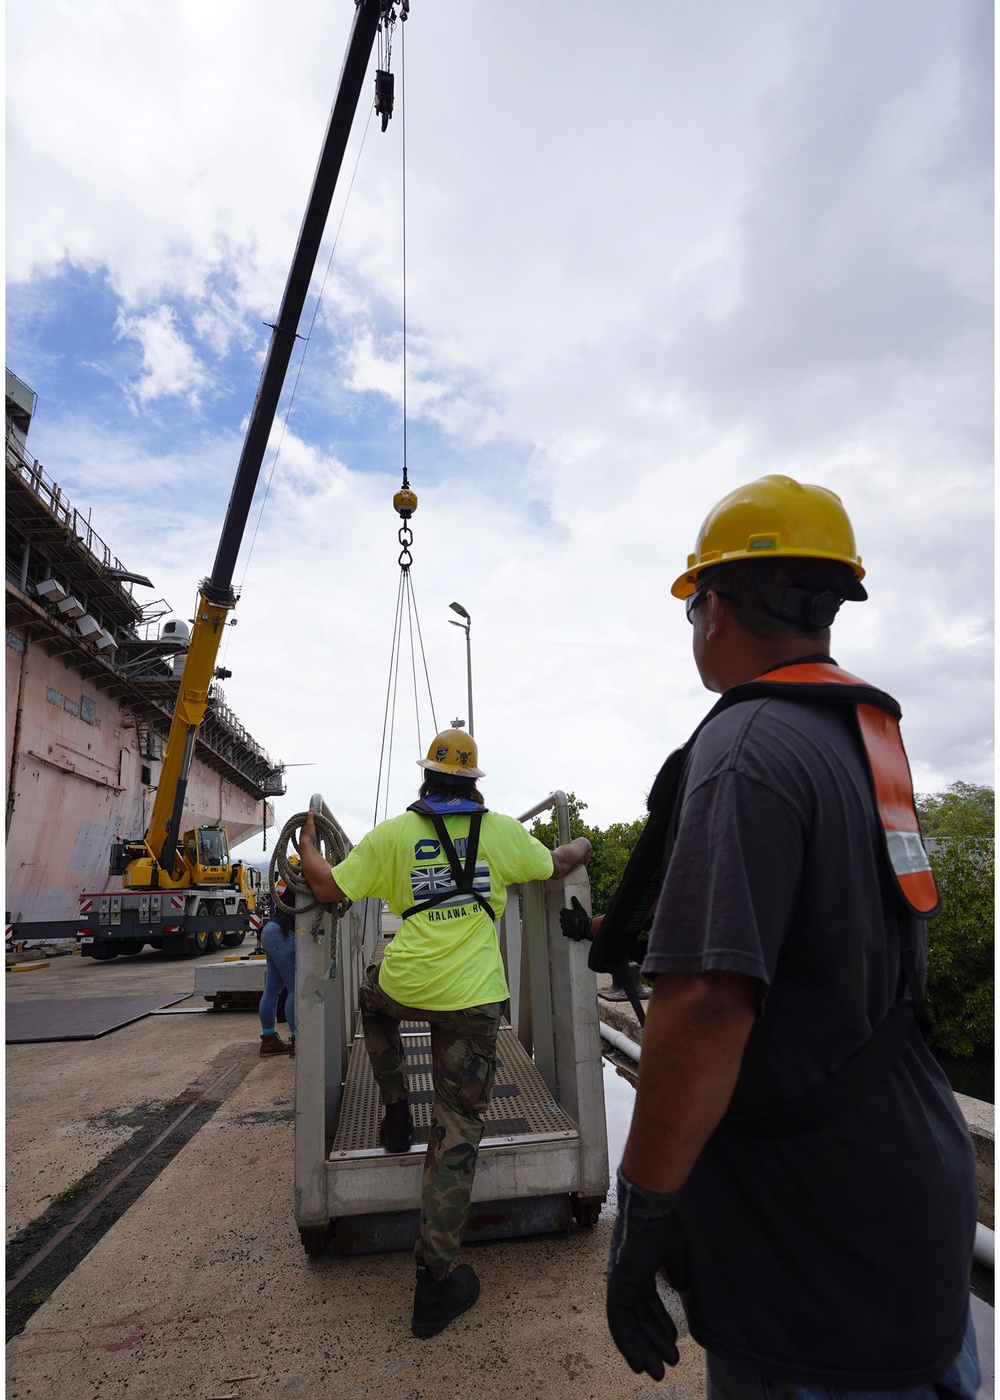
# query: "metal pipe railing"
(560, 802)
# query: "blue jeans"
(731, 1380)
(280, 972)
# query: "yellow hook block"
(405, 502)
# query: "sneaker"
(396, 1129)
(273, 1045)
(620, 994)
(437, 1301)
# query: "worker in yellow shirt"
(443, 865)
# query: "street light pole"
(467, 628)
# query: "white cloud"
(645, 262)
(170, 366)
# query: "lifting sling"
(623, 931)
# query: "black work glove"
(640, 1325)
(575, 921)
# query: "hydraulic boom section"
(167, 861)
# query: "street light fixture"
(466, 627)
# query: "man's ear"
(717, 618)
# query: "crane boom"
(216, 597)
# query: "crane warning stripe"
(85, 906)
(177, 901)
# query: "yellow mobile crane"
(182, 891)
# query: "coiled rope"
(332, 848)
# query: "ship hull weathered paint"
(90, 689)
(80, 783)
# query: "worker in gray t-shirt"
(797, 1164)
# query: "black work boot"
(437, 1301)
(273, 1044)
(396, 1129)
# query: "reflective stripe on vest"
(892, 782)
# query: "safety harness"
(463, 875)
(622, 933)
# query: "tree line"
(958, 827)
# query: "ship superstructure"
(92, 677)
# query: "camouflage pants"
(463, 1051)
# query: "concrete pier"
(201, 1287)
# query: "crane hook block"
(384, 84)
(405, 502)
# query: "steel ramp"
(521, 1108)
(521, 1115)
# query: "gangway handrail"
(560, 802)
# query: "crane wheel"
(202, 942)
(216, 938)
(234, 939)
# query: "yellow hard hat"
(772, 518)
(293, 860)
(453, 751)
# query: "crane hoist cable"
(390, 11)
(404, 502)
(383, 106)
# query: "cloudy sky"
(652, 253)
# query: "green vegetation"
(34, 1300)
(959, 826)
(73, 1189)
(963, 809)
(612, 848)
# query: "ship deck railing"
(50, 494)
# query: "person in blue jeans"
(278, 941)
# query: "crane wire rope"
(402, 122)
(405, 502)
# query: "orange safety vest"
(628, 915)
(890, 771)
(820, 682)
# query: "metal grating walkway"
(521, 1107)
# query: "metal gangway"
(543, 1159)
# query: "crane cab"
(206, 853)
